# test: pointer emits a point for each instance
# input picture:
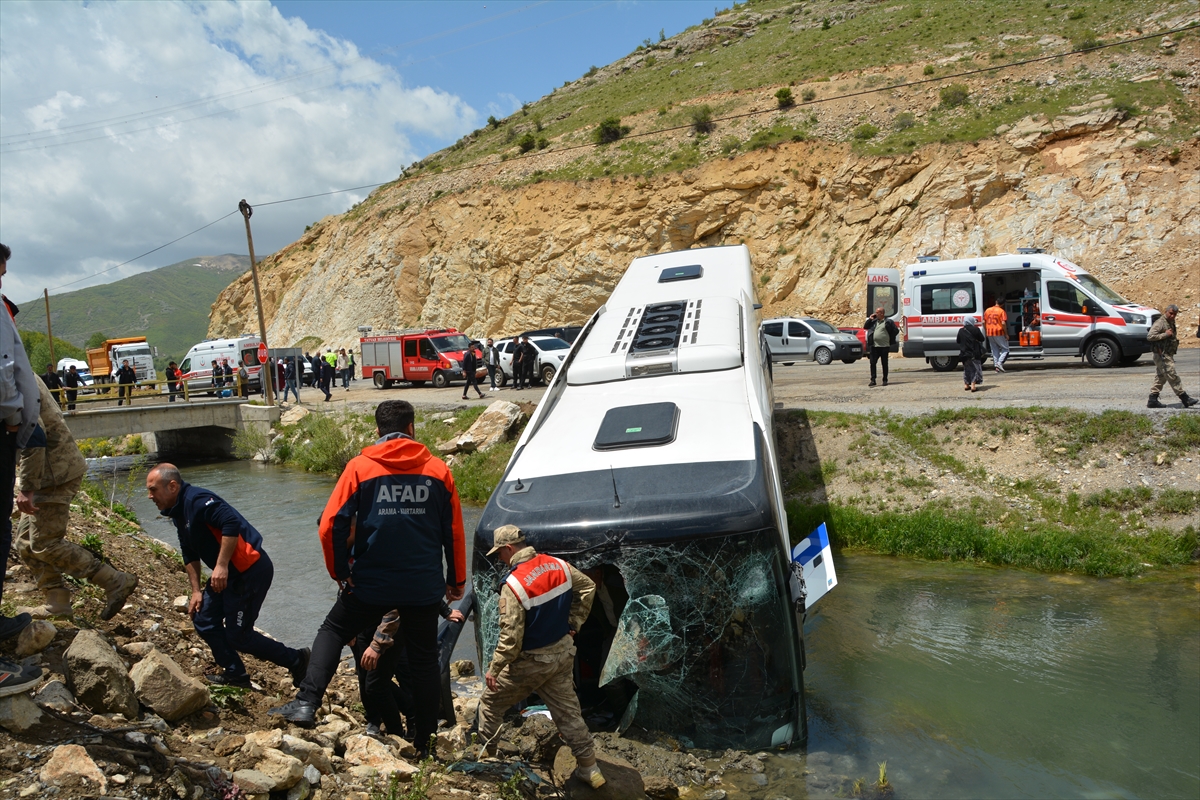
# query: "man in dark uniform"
(72, 381)
(126, 377)
(223, 611)
(173, 378)
(470, 365)
(392, 518)
(53, 383)
(523, 370)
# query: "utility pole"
(49, 333)
(265, 373)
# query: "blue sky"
(126, 125)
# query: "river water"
(968, 681)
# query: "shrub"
(784, 98)
(702, 121)
(954, 95)
(1127, 107)
(928, 69)
(825, 24)
(542, 143)
(527, 143)
(808, 95)
(92, 541)
(904, 120)
(610, 130)
(1078, 13)
(591, 71)
(865, 131)
(1179, 73)
(1088, 40)
(730, 144)
(493, 122)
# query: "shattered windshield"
(704, 642)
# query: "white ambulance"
(1054, 308)
(197, 365)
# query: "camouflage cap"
(506, 535)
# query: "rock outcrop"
(492, 260)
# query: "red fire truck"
(416, 355)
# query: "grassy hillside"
(737, 60)
(169, 306)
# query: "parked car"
(568, 333)
(551, 353)
(794, 339)
(859, 333)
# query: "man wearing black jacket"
(881, 338)
(53, 383)
(223, 611)
(470, 366)
(126, 377)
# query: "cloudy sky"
(124, 126)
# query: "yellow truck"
(103, 361)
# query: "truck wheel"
(943, 363)
(823, 356)
(1103, 352)
(440, 381)
(380, 381)
(547, 374)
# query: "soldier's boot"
(589, 773)
(1188, 402)
(117, 587)
(58, 604)
(1153, 402)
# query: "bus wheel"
(1103, 352)
(380, 381)
(823, 356)
(943, 363)
(440, 381)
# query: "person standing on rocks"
(970, 349)
(224, 610)
(543, 603)
(995, 325)
(49, 473)
(391, 520)
(881, 335)
(470, 365)
(20, 405)
(1164, 344)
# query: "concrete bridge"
(186, 430)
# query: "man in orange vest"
(995, 325)
(543, 602)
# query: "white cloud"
(127, 125)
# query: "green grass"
(1091, 545)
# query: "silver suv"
(793, 339)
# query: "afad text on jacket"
(392, 516)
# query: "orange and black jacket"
(392, 517)
(202, 519)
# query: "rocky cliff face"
(493, 260)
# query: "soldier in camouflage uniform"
(48, 477)
(543, 602)
(1164, 341)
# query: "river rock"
(300, 791)
(36, 637)
(19, 714)
(495, 425)
(285, 771)
(253, 782)
(309, 753)
(363, 751)
(97, 676)
(137, 649)
(160, 683)
(71, 766)
(258, 742)
(180, 603)
(56, 695)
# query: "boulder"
(309, 753)
(36, 637)
(70, 766)
(293, 415)
(623, 781)
(19, 714)
(160, 684)
(300, 791)
(284, 771)
(363, 751)
(97, 676)
(494, 426)
(56, 695)
(137, 649)
(258, 742)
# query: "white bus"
(650, 462)
(1054, 308)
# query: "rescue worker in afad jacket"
(543, 602)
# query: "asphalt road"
(913, 387)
